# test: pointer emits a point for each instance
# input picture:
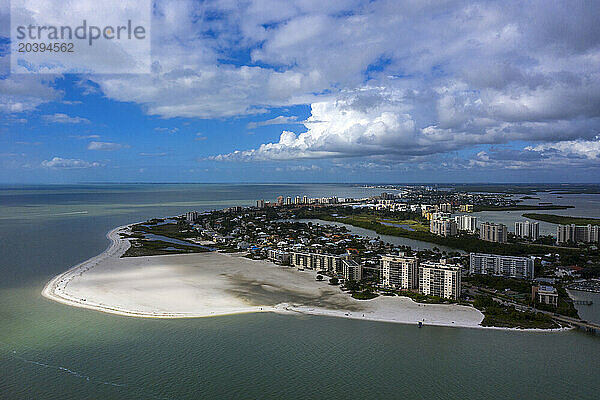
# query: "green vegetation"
(423, 298)
(140, 248)
(364, 295)
(508, 317)
(562, 220)
(499, 283)
(411, 223)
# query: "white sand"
(210, 284)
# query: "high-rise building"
(527, 230)
(191, 216)
(304, 199)
(351, 270)
(443, 227)
(577, 233)
(400, 272)
(494, 264)
(493, 232)
(466, 208)
(297, 200)
(466, 223)
(288, 201)
(439, 279)
(445, 207)
(260, 203)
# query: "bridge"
(578, 323)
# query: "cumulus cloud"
(60, 118)
(106, 146)
(69, 163)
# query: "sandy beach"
(212, 284)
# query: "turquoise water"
(52, 351)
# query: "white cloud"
(280, 120)
(85, 136)
(167, 130)
(586, 149)
(69, 163)
(106, 146)
(60, 118)
(19, 93)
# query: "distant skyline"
(314, 91)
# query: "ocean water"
(52, 351)
(584, 205)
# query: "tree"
(334, 281)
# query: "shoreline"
(84, 278)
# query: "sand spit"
(212, 284)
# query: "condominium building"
(493, 232)
(466, 223)
(320, 262)
(527, 230)
(494, 264)
(351, 270)
(400, 272)
(304, 199)
(260, 203)
(191, 216)
(297, 200)
(439, 279)
(443, 227)
(278, 256)
(288, 201)
(577, 233)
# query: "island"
(212, 283)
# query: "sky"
(318, 91)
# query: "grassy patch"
(140, 248)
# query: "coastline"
(216, 284)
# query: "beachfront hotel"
(400, 272)
(440, 279)
(508, 266)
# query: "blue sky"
(309, 91)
